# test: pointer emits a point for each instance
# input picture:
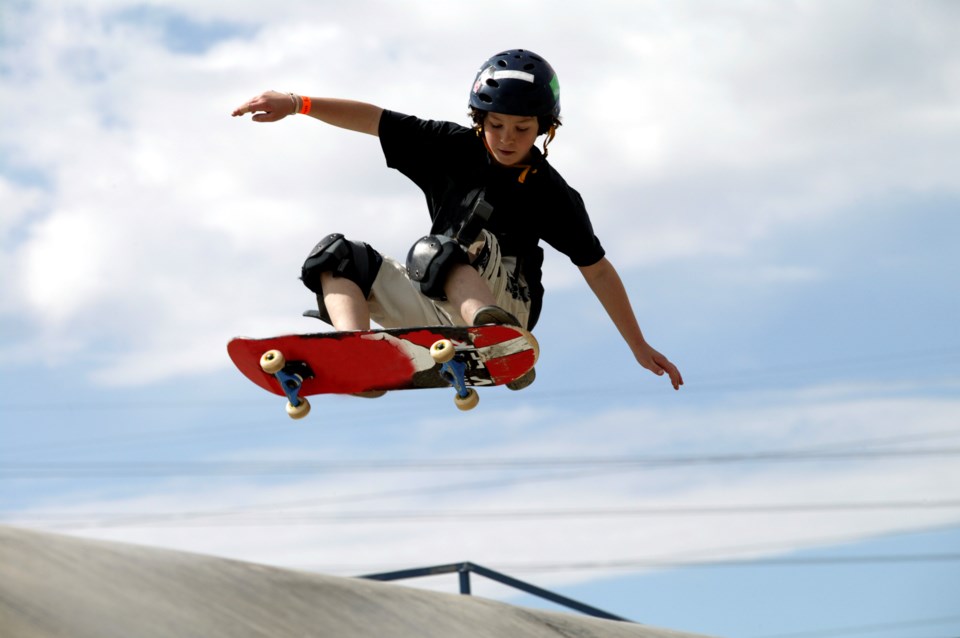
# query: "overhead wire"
(291, 467)
(720, 377)
(514, 479)
(719, 560)
(292, 518)
(805, 561)
(717, 380)
(862, 629)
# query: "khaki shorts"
(396, 301)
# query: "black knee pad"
(355, 261)
(430, 260)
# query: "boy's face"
(510, 137)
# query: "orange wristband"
(305, 109)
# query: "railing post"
(465, 579)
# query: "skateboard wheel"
(298, 411)
(468, 402)
(272, 361)
(442, 351)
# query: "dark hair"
(544, 122)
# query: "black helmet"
(517, 82)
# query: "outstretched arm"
(272, 106)
(608, 287)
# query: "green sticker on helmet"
(555, 87)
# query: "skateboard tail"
(353, 372)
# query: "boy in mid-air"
(492, 197)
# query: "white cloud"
(691, 131)
(294, 523)
(18, 201)
(141, 227)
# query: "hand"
(659, 364)
(268, 107)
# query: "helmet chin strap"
(527, 168)
(550, 135)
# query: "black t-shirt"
(448, 162)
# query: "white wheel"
(468, 402)
(272, 361)
(442, 351)
(298, 411)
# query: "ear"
(478, 117)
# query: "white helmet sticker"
(491, 73)
(514, 75)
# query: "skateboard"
(373, 361)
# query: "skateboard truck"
(453, 371)
(290, 376)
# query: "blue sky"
(775, 181)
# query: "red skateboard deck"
(385, 360)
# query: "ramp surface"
(59, 586)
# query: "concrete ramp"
(59, 586)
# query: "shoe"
(494, 315)
(372, 394)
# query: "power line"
(654, 563)
(708, 557)
(550, 476)
(103, 469)
(234, 429)
(948, 353)
(281, 518)
(871, 628)
(718, 379)
(807, 561)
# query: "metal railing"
(465, 569)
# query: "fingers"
(245, 108)
(242, 110)
(662, 365)
(261, 107)
(671, 371)
(675, 379)
(255, 105)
